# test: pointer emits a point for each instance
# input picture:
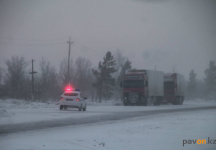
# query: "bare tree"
(15, 76)
(83, 75)
(48, 81)
(1, 75)
(122, 63)
(120, 60)
(80, 75)
(63, 75)
(1, 84)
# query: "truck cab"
(142, 87)
(134, 88)
(174, 88)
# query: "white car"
(72, 99)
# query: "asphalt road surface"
(6, 129)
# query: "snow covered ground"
(160, 131)
(14, 111)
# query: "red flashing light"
(77, 99)
(61, 98)
(68, 88)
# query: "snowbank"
(18, 104)
(22, 104)
(105, 103)
(199, 101)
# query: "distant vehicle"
(142, 87)
(174, 88)
(72, 99)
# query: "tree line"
(95, 83)
(204, 89)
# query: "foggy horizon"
(168, 34)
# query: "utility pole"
(69, 42)
(173, 69)
(32, 73)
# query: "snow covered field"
(155, 132)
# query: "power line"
(8, 38)
(9, 42)
(86, 48)
(89, 52)
(29, 44)
(83, 47)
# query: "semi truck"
(174, 88)
(142, 87)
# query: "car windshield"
(70, 94)
(168, 85)
(133, 84)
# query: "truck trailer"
(174, 88)
(142, 87)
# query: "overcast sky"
(168, 34)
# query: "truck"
(142, 87)
(174, 88)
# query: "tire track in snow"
(6, 129)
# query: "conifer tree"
(192, 84)
(210, 80)
(104, 81)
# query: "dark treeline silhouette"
(95, 83)
(203, 89)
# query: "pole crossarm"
(32, 72)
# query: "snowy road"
(151, 131)
(93, 115)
